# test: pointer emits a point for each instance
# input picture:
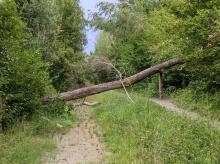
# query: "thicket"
(41, 43)
(138, 34)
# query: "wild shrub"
(26, 84)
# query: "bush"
(27, 81)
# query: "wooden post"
(161, 85)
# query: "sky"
(90, 6)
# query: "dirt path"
(167, 104)
(80, 144)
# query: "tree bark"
(87, 91)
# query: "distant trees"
(71, 24)
(127, 31)
(147, 32)
(69, 43)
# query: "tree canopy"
(40, 41)
(146, 32)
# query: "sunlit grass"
(145, 133)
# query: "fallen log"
(87, 91)
(85, 104)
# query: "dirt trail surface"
(80, 144)
(167, 104)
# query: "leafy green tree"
(57, 29)
(71, 24)
(69, 43)
(12, 32)
(40, 17)
(24, 78)
(127, 29)
(194, 34)
(148, 32)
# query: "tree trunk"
(87, 91)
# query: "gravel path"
(80, 144)
(167, 104)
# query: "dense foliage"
(146, 32)
(40, 42)
(138, 34)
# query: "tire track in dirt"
(80, 144)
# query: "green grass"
(145, 133)
(21, 148)
(204, 104)
(30, 142)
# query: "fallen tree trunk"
(87, 91)
(85, 104)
